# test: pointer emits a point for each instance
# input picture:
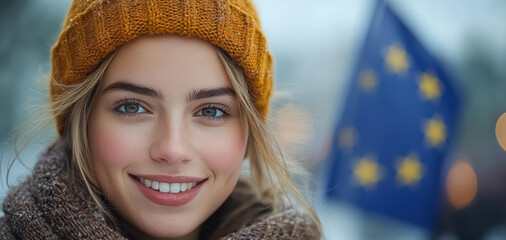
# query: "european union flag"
(396, 128)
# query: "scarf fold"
(46, 206)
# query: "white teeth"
(165, 187)
(168, 187)
(147, 183)
(155, 185)
(175, 187)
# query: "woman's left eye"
(211, 112)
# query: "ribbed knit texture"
(95, 28)
(46, 207)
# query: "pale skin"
(167, 108)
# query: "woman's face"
(166, 138)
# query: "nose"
(171, 144)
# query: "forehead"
(167, 62)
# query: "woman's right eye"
(130, 108)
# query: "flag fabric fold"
(397, 125)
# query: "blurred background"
(317, 47)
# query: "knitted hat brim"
(94, 29)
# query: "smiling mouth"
(164, 187)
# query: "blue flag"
(396, 127)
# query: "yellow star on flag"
(409, 170)
(367, 172)
(347, 138)
(435, 131)
(368, 80)
(396, 59)
(429, 87)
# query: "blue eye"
(131, 108)
(211, 112)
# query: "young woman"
(158, 106)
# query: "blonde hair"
(269, 166)
(76, 102)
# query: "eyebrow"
(209, 92)
(130, 87)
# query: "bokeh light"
(294, 127)
(500, 131)
(461, 183)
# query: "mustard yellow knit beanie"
(94, 28)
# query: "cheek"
(225, 153)
(110, 145)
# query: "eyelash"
(128, 101)
(225, 110)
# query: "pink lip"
(169, 199)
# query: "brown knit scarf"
(46, 207)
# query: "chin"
(164, 229)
